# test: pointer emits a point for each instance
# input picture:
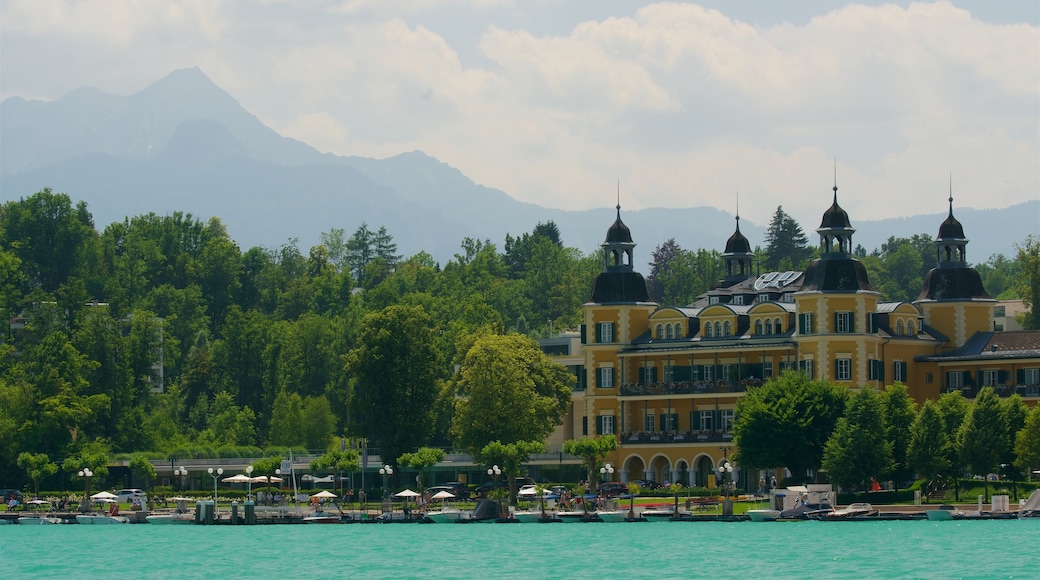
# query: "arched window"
(776, 327)
(668, 328)
(899, 327)
(758, 326)
(726, 329)
(769, 327)
(910, 329)
(718, 329)
(707, 329)
(678, 330)
(660, 332)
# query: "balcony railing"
(688, 387)
(666, 437)
(970, 392)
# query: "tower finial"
(619, 196)
(951, 193)
(835, 181)
(738, 210)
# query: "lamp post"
(86, 474)
(386, 471)
(607, 472)
(180, 472)
(249, 484)
(494, 471)
(215, 474)
(277, 473)
(725, 470)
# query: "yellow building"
(665, 380)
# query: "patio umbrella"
(266, 479)
(103, 495)
(240, 478)
(407, 493)
(443, 495)
(324, 494)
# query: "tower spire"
(951, 194)
(835, 181)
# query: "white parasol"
(324, 494)
(407, 493)
(240, 478)
(266, 479)
(443, 494)
(103, 495)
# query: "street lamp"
(249, 484)
(386, 471)
(494, 471)
(277, 473)
(215, 474)
(725, 470)
(607, 472)
(86, 474)
(180, 472)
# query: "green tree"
(1027, 443)
(92, 455)
(422, 459)
(507, 390)
(318, 422)
(785, 240)
(395, 367)
(953, 408)
(857, 450)
(512, 457)
(793, 409)
(929, 449)
(37, 466)
(1027, 283)
(982, 437)
(140, 465)
(592, 451)
(338, 458)
(286, 420)
(898, 412)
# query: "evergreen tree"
(982, 438)
(857, 450)
(785, 239)
(928, 451)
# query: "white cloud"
(685, 105)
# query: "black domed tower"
(618, 282)
(738, 258)
(953, 299)
(836, 270)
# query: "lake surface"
(895, 549)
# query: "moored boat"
(945, 512)
(39, 520)
(853, 510)
(763, 515)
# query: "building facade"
(665, 380)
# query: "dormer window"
(738, 299)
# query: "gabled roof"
(984, 346)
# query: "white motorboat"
(763, 515)
(100, 519)
(853, 510)
(179, 516)
(945, 512)
(39, 520)
(449, 515)
(574, 516)
(1031, 509)
(612, 516)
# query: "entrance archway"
(704, 467)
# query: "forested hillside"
(159, 333)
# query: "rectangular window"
(709, 373)
(606, 332)
(899, 371)
(648, 422)
(713, 300)
(707, 421)
(726, 418)
(955, 379)
(738, 299)
(1032, 377)
(606, 378)
(928, 378)
(843, 369)
(585, 426)
(805, 323)
(843, 323)
(872, 323)
(726, 373)
(806, 366)
(999, 311)
(669, 422)
(989, 378)
(876, 370)
(767, 369)
(606, 425)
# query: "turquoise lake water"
(896, 549)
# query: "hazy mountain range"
(184, 144)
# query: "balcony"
(1024, 391)
(688, 387)
(674, 437)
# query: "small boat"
(853, 510)
(945, 512)
(179, 516)
(323, 517)
(612, 516)
(40, 520)
(663, 514)
(763, 515)
(112, 517)
(576, 516)
(1031, 509)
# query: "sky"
(572, 104)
